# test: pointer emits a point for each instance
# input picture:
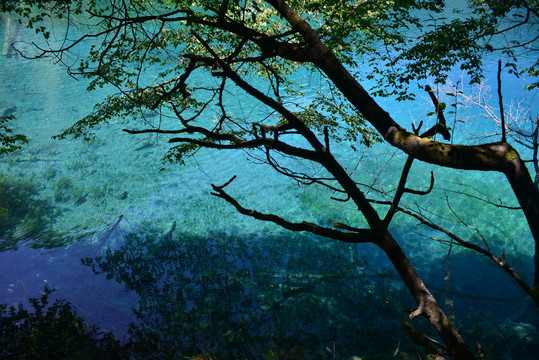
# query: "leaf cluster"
(10, 142)
(149, 39)
(35, 12)
(341, 119)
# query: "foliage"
(461, 40)
(332, 112)
(373, 32)
(52, 332)
(9, 142)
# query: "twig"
(441, 126)
(504, 137)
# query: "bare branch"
(441, 126)
(500, 261)
(486, 198)
(358, 236)
(504, 137)
(401, 189)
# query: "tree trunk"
(528, 197)
(426, 304)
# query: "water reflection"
(26, 270)
(233, 297)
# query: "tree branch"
(441, 126)
(499, 157)
(358, 236)
(402, 189)
(502, 114)
(325, 158)
(500, 261)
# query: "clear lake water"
(137, 244)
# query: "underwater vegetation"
(22, 215)
(270, 298)
(52, 332)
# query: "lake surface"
(203, 277)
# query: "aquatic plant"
(63, 189)
(22, 214)
(53, 331)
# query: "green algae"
(23, 215)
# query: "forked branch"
(441, 125)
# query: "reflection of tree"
(244, 298)
(52, 331)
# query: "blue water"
(112, 193)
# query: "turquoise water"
(203, 277)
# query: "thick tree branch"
(426, 303)
(499, 157)
(397, 136)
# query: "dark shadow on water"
(252, 298)
(488, 304)
(296, 296)
(285, 296)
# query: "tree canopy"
(175, 65)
